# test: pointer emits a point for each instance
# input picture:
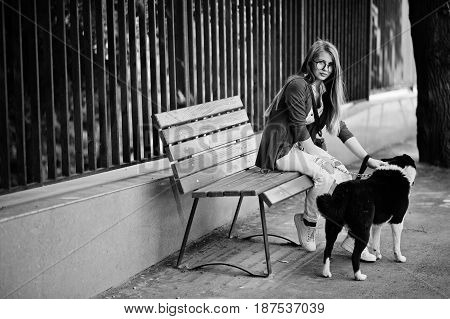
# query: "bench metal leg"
(186, 233)
(235, 215)
(265, 237)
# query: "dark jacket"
(287, 123)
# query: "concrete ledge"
(79, 244)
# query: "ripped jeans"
(300, 161)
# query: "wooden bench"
(212, 149)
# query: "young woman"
(307, 103)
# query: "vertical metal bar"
(361, 49)
(261, 65)
(181, 56)
(144, 80)
(154, 79)
(284, 33)
(187, 65)
(229, 49)
(368, 48)
(296, 33)
(112, 82)
(242, 51)
(76, 86)
(267, 56)
(348, 49)
(214, 50)
(222, 50)
(47, 91)
(382, 24)
(199, 50)
(133, 76)
(121, 18)
(310, 23)
(249, 71)
(237, 69)
(273, 49)
(162, 31)
(323, 21)
(314, 21)
(89, 76)
(61, 77)
(358, 49)
(336, 21)
(192, 51)
(31, 69)
(354, 50)
(18, 91)
(328, 19)
(279, 45)
(303, 34)
(105, 148)
(171, 55)
(339, 36)
(207, 49)
(257, 68)
(291, 37)
(5, 157)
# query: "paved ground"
(296, 273)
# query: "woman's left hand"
(374, 163)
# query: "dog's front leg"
(375, 235)
(396, 238)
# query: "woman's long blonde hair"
(334, 83)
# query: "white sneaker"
(349, 243)
(306, 234)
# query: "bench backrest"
(207, 142)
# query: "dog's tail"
(326, 205)
(332, 206)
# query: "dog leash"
(362, 169)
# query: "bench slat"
(287, 190)
(236, 184)
(213, 157)
(215, 189)
(212, 174)
(270, 180)
(204, 143)
(189, 130)
(195, 112)
(235, 189)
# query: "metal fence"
(80, 79)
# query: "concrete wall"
(79, 238)
(82, 248)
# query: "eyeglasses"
(321, 65)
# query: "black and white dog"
(364, 206)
